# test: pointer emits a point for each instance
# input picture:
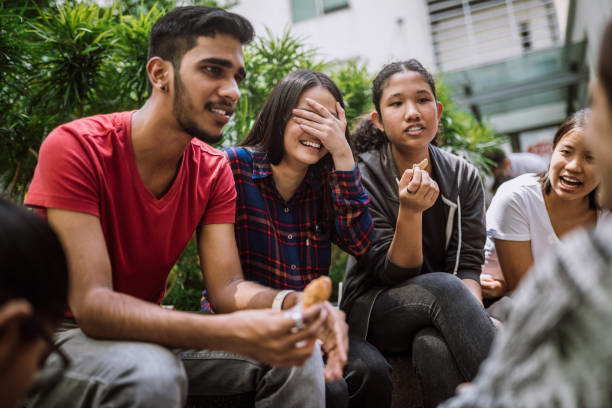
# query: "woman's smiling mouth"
(569, 183)
(311, 144)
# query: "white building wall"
(375, 31)
(590, 20)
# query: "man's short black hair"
(33, 264)
(177, 32)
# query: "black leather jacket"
(465, 233)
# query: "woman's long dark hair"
(267, 134)
(366, 135)
(577, 121)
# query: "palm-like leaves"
(128, 66)
(355, 83)
(73, 42)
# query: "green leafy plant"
(127, 67)
(355, 83)
(73, 42)
(184, 284)
(52, 58)
(22, 122)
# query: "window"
(525, 35)
(333, 5)
(467, 33)
(306, 9)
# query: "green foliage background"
(59, 62)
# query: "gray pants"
(135, 374)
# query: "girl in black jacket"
(417, 290)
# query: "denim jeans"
(435, 318)
(367, 375)
(134, 374)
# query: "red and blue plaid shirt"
(285, 245)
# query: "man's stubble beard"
(179, 108)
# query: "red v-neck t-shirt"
(88, 166)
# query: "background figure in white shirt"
(515, 164)
(510, 165)
(529, 213)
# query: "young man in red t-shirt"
(125, 192)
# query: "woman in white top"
(528, 214)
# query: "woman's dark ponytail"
(367, 136)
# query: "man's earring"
(162, 87)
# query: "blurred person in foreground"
(33, 298)
(556, 350)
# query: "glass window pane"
(331, 5)
(303, 10)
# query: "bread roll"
(316, 291)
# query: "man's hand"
(334, 339)
(269, 336)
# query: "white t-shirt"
(518, 213)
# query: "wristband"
(277, 304)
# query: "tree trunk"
(11, 188)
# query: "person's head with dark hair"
(571, 173)
(401, 85)
(499, 158)
(302, 127)
(33, 297)
(194, 68)
(276, 133)
(177, 31)
(600, 127)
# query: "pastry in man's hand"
(316, 291)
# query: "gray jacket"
(464, 230)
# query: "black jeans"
(366, 382)
(436, 319)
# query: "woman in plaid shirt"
(298, 191)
